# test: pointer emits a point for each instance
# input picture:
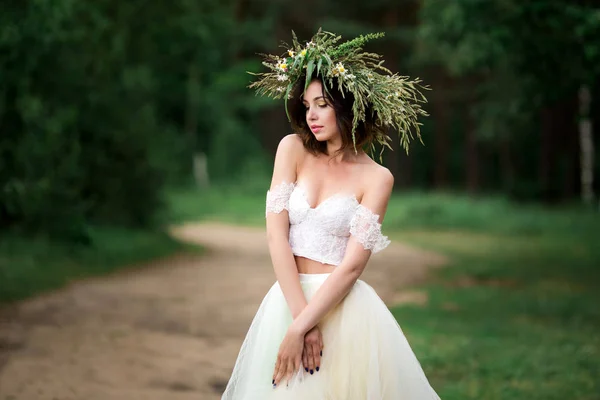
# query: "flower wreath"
(395, 100)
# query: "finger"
(316, 352)
(290, 371)
(280, 373)
(297, 365)
(321, 342)
(276, 371)
(311, 359)
(305, 359)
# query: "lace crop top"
(322, 233)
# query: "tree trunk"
(507, 166)
(191, 112)
(569, 142)
(544, 165)
(472, 165)
(586, 145)
(440, 172)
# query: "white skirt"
(365, 354)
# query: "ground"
(167, 331)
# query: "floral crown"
(395, 100)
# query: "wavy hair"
(342, 104)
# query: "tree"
(527, 59)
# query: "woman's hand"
(289, 356)
(313, 345)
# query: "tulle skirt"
(365, 354)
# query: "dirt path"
(170, 331)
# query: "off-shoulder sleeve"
(365, 227)
(278, 198)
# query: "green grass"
(516, 314)
(487, 215)
(413, 210)
(226, 204)
(31, 266)
(512, 317)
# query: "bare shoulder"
(287, 159)
(378, 178)
(291, 145)
(378, 185)
(289, 156)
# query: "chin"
(321, 137)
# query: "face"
(320, 115)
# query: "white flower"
(280, 89)
(291, 53)
(310, 44)
(282, 77)
(282, 66)
(350, 76)
(339, 70)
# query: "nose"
(311, 114)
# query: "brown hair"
(342, 105)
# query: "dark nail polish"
(274, 385)
(321, 352)
(273, 382)
(311, 371)
(317, 369)
(306, 369)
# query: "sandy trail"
(168, 331)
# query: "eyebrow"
(316, 98)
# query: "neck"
(334, 145)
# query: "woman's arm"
(278, 226)
(341, 280)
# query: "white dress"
(365, 354)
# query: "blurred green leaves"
(519, 55)
(103, 104)
(99, 110)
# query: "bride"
(321, 333)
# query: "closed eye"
(324, 105)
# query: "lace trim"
(365, 227)
(278, 198)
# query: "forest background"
(104, 106)
(119, 119)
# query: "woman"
(320, 332)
